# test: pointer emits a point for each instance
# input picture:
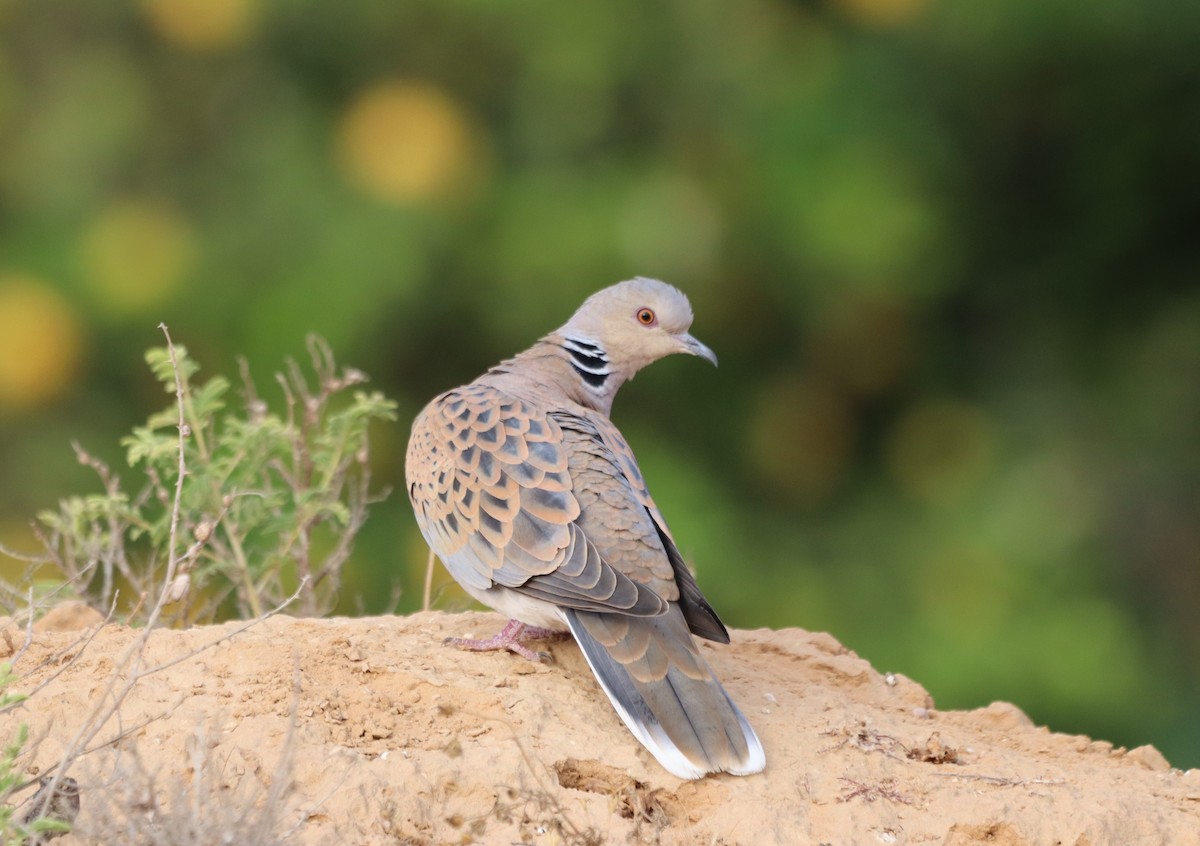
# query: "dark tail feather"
(664, 691)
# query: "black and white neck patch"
(589, 360)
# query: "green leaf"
(159, 359)
(168, 418)
(209, 399)
(145, 445)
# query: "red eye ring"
(646, 316)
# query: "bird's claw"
(510, 638)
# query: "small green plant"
(10, 772)
(272, 500)
(33, 823)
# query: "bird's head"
(636, 323)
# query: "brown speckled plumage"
(535, 503)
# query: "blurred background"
(947, 253)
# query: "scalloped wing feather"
(489, 477)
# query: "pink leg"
(512, 638)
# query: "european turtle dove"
(534, 502)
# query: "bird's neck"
(574, 367)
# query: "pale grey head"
(634, 323)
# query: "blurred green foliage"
(946, 251)
(266, 514)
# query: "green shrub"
(272, 502)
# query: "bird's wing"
(637, 519)
(650, 667)
(490, 482)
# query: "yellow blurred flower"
(135, 254)
(40, 342)
(404, 142)
(202, 24)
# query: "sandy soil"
(397, 739)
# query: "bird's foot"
(511, 638)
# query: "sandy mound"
(399, 739)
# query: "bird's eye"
(646, 316)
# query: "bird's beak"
(691, 346)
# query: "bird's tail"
(663, 689)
